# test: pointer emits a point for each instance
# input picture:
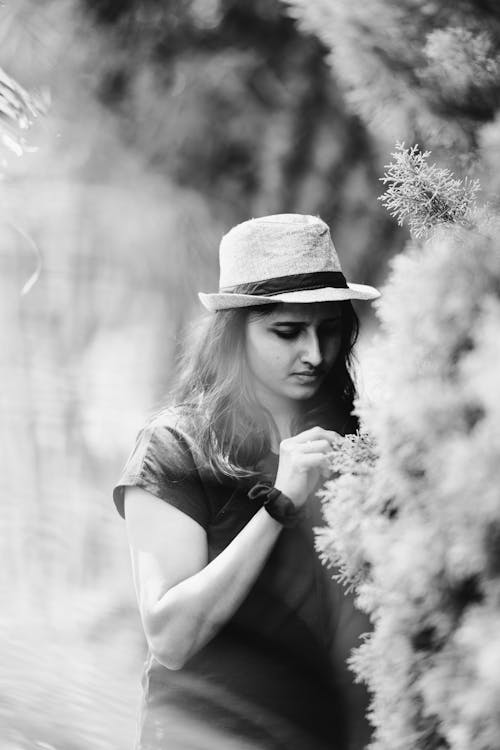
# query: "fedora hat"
(281, 258)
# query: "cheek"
(259, 353)
(266, 356)
(272, 357)
(331, 350)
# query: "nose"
(311, 353)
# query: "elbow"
(176, 627)
(170, 655)
(171, 659)
(170, 645)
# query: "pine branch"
(353, 454)
(423, 194)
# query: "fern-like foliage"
(346, 506)
(425, 195)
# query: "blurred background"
(159, 124)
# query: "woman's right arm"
(183, 599)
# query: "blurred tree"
(169, 122)
(232, 100)
(428, 72)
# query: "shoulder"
(173, 432)
(163, 460)
(181, 421)
(170, 437)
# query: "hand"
(303, 459)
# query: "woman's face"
(290, 351)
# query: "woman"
(247, 633)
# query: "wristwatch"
(278, 505)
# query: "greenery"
(425, 195)
(411, 511)
(419, 71)
(18, 108)
(168, 122)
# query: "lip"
(306, 377)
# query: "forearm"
(190, 613)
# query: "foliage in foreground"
(412, 512)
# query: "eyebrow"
(304, 322)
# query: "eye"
(290, 332)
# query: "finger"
(316, 433)
(312, 460)
(314, 446)
(325, 471)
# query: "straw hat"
(281, 258)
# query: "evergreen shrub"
(412, 508)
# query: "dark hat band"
(297, 282)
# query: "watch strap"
(278, 505)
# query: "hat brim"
(226, 300)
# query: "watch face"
(283, 510)
(286, 506)
(279, 506)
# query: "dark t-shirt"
(275, 674)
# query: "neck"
(283, 413)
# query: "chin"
(303, 393)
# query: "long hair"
(213, 393)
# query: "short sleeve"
(162, 463)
